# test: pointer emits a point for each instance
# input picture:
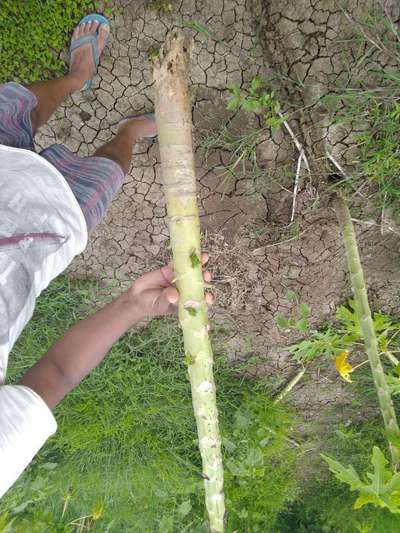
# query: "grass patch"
(125, 457)
(370, 103)
(325, 505)
(34, 33)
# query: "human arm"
(86, 344)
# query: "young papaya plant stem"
(290, 385)
(367, 325)
(174, 123)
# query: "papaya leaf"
(380, 488)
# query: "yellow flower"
(343, 366)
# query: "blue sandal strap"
(94, 17)
(92, 40)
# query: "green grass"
(370, 103)
(126, 446)
(325, 505)
(34, 32)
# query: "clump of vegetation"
(381, 487)
(161, 6)
(242, 146)
(325, 504)
(341, 336)
(33, 35)
(125, 456)
(370, 102)
(257, 100)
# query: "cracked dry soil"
(255, 257)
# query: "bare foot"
(141, 126)
(82, 61)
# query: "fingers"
(207, 276)
(172, 295)
(205, 256)
(210, 298)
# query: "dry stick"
(302, 157)
(367, 325)
(173, 115)
(296, 187)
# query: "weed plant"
(370, 103)
(34, 32)
(325, 504)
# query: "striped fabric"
(94, 181)
(16, 105)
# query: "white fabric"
(42, 228)
(25, 424)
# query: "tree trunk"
(367, 325)
(173, 115)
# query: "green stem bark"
(290, 385)
(367, 325)
(173, 115)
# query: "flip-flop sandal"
(151, 116)
(92, 40)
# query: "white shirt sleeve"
(26, 423)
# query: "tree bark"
(173, 115)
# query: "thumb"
(172, 295)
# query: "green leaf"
(234, 468)
(233, 104)
(302, 325)
(166, 524)
(194, 259)
(291, 296)
(346, 475)
(49, 466)
(184, 508)
(235, 90)
(242, 420)
(281, 321)
(200, 28)
(255, 85)
(251, 106)
(380, 488)
(254, 457)
(228, 445)
(305, 310)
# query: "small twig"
(302, 157)
(296, 186)
(383, 213)
(286, 240)
(370, 223)
(392, 358)
(354, 22)
(296, 141)
(336, 163)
